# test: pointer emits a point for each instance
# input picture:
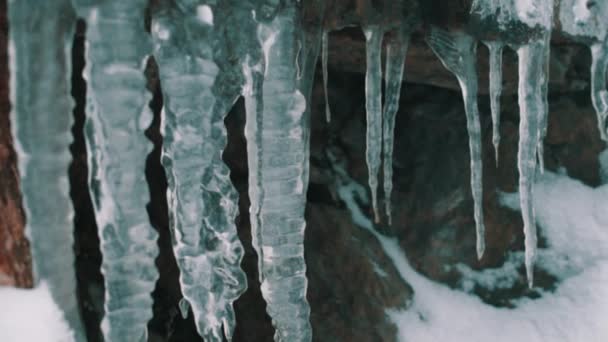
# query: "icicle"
(117, 115)
(324, 53)
(599, 95)
(495, 49)
(587, 21)
(202, 200)
(532, 63)
(457, 52)
(543, 114)
(41, 34)
(278, 164)
(396, 52)
(373, 107)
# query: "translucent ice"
(396, 52)
(117, 115)
(40, 43)
(373, 107)
(458, 53)
(278, 164)
(202, 201)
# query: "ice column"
(202, 201)
(278, 163)
(533, 106)
(396, 52)
(117, 115)
(41, 34)
(458, 53)
(373, 107)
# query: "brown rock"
(15, 258)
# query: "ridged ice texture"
(373, 108)
(396, 52)
(40, 43)
(588, 22)
(202, 201)
(532, 65)
(458, 53)
(495, 49)
(278, 164)
(117, 115)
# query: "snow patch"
(576, 228)
(31, 315)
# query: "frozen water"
(117, 115)
(458, 53)
(41, 116)
(202, 201)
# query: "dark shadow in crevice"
(86, 241)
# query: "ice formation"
(373, 108)
(396, 51)
(202, 201)
(205, 65)
(278, 162)
(587, 22)
(117, 115)
(495, 49)
(458, 53)
(41, 123)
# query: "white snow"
(574, 219)
(31, 315)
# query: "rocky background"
(351, 280)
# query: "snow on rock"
(573, 218)
(31, 315)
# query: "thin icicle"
(543, 114)
(373, 107)
(458, 53)
(41, 34)
(495, 49)
(599, 95)
(324, 56)
(276, 142)
(202, 200)
(117, 116)
(396, 52)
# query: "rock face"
(351, 281)
(15, 258)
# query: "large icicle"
(533, 106)
(396, 52)
(458, 53)
(278, 163)
(495, 48)
(41, 34)
(531, 64)
(117, 115)
(373, 107)
(206, 245)
(324, 56)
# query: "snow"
(31, 315)
(574, 219)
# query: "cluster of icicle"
(209, 54)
